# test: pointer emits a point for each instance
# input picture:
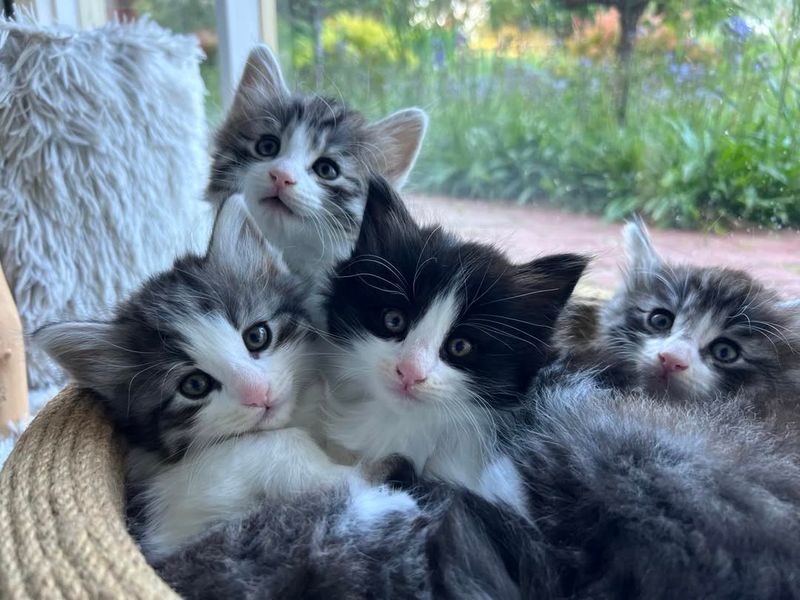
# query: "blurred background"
(684, 111)
(687, 112)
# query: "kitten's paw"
(396, 471)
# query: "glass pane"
(183, 16)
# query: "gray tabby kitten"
(687, 333)
(302, 163)
(207, 371)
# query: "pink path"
(527, 231)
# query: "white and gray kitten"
(206, 371)
(302, 163)
(688, 333)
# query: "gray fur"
(455, 546)
(644, 500)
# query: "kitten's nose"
(673, 361)
(256, 395)
(281, 178)
(410, 373)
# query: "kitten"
(435, 341)
(452, 545)
(636, 499)
(687, 333)
(204, 371)
(302, 163)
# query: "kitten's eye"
(268, 146)
(257, 337)
(196, 385)
(394, 320)
(459, 347)
(326, 168)
(724, 350)
(660, 319)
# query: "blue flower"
(739, 28)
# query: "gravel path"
(526, 231)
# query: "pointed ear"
(236, 241)
(86, 350)
(550, 281)
(398, 139)
(262, 75)
(639, 251)
(385, 217)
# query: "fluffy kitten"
(343, 545)
(204, 370)
(689, 333)
(435, 340)
(302, 163)
(635, 499)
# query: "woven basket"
(62, 529)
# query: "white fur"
(501, 482)
(370, 505)
(228, 479)
(440, 428)
(103, 138)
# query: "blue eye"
(268, 146)
(725, 351)
(661, 320)
(326, 169)
(196, 385)
(459, 347)
(394, 320)
(257, 337)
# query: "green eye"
(268, 146)
(196, 385)
(725, 351)
(326, 169)
(257, 337)
(459, 347)
(394, 320)
(661, 320)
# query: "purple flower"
(739, 28)
(438, 53)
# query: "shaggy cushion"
(102, 165)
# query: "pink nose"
(281, 178)
(673, 361)
(256, 395)
(410, 373)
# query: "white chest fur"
(228, 479)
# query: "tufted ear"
(398, 139)
(639, 251)
(385, 217)
(86, 350)
(262, 75)
(237, 243)
(550, 280)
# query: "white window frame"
(241, 24)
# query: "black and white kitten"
(302, 163)
(435, 341)
(688, 333)
(205, 371)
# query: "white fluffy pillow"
(102, 164)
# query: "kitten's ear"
(639, 251)
(549, 282)
(237, 242)
(397, 140)
(86, 350)
(385, 217)
(262, 75)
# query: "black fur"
(507, 311)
